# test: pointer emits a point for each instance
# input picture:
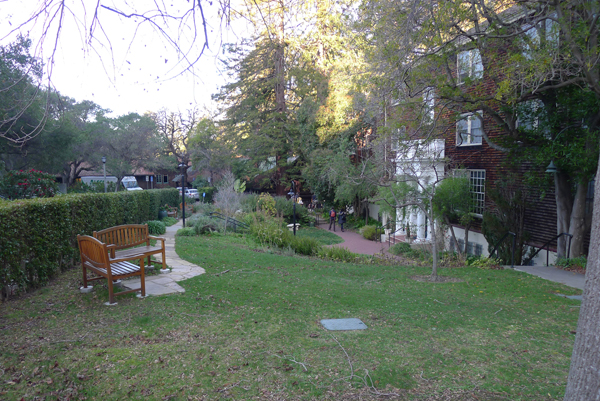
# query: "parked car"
(192, 193)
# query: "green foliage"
(483, 262)
(266, 204)
(28, 184)
(204, 224)
(305, 246)
(511, 201)
(239, 186)
(203, 208)
(210, 193)
(249, 203)
(271, 232)
(572, 263)
(186, 232)
(400, 248)
(39, 236)
(339, 254)
(169, 221)
(156, 227)
(369, 232)
(285, 209)
(453, 200)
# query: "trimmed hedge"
(39, 236)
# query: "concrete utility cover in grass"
(575, 297)
(343, 324)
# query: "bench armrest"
(111, 248)
(156, 238)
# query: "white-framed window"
(469, 130)
(529, 114)
(429, 106)
(397, 136)
(469, 65)
(547, 30)
(477, 181)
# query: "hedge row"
(38, 237)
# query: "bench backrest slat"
(124, 236)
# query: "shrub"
(266, 204)
(249, 203)
(271, 232)
(205, 225)
(203, 208)
(285, 209)
(186, 232)
(400, 248)
(305, 246)
(338, 254)
(156, 227)
(169, 221)
(483, 262)
(28, 184)
(369, 232)
(209, 194)
(571, 263)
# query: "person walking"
(332, 219)
(342, 219)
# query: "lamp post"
(104, 170)
(292, 193)
(182, 167)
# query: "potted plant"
(162, 212)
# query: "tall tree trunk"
(583, 382)
(564, 206)
(577, 225)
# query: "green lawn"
(254, 333)
(323, 236)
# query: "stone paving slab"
(164, 284)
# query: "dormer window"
(469, 65)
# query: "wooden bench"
(95, 258)
(127, 242)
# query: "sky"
(126, 67)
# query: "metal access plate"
(343, 324)
(575, 297)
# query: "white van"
(130, 183)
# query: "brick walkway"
(355, 242)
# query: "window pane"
(166, 179)
(476, 64)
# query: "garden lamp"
(182, 166)
(104, 170)
(551, 167)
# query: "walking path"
(166, 283)
(355, 242)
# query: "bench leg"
(84, 274)
(164, 266)
(111, 296)
(142, 278)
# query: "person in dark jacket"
(342, 219)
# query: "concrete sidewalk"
(551, 273)
(166, 283)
